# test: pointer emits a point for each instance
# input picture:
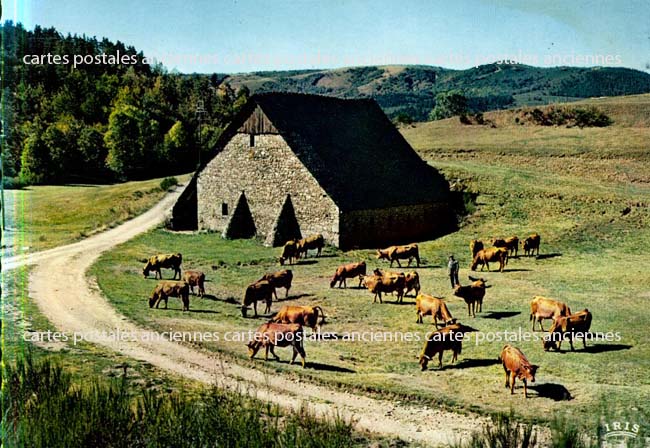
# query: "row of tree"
(103, 122)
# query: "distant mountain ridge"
(412, 89)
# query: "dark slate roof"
(352, 149)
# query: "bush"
(503, 432)
(13, 183)
(167, 183)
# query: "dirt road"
(73, 304)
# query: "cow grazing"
(516, 365)
(258, 291)
(166, 289)
(195, 278)
(397, 253)
(385, 283)
(412, 283)
(472, 294)
(306, 316)
(346, 271)
(475, 246)
(314, 242)
(271, 335)
(167, 261)
(543, 308)
(484, 256)
(512, 244)
(446, 338)
(435, 307)
(530, 244)
(499, 242)
(575, 325)
(279, 279)
(289, 252)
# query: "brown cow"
(516, 365)
(512, 244)
(499, 242)
(492, 254)
(475, 246)
(303, 315)
(397, 253)
(446, 338)
(543, 308)
(260, 290)
(289, 252)
(167, 261)
(271, 335)
(576, 325)
(530, 244)
(349, 270)
(279, 279)
(166, 289)
(386, 283)
(426, 305)
(472, 295)
(316, 242)
(412, 283)
(195, 278)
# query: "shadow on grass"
(555, 392)
(498, 315)
(515, 270)
(545, 256)
(296, 297)
(602, 348)
(464, 364)
(305, 262)
(214, 298)
(328, 368)
(204, 311)
(393, 302)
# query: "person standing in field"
(452, 268)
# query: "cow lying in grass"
(271, 335)
(279, 279)
(516, 365)
(350, 270)
(258, 291)
(435, 307)
(167, 261)
(397, 253)
(446, 338)
(166, 289)
(575, 325)
(195, 278)
(304, 315)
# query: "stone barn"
(294, 164)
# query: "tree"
(35, 160)
(449, 104)
(123, 140)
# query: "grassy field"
(593, 256)
(43, 217)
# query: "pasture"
(592, 214)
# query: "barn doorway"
(286, 225)
(241, 223)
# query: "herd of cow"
(286, 326)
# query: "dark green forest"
(102, 122)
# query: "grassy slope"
(50, 216)
(572, 198)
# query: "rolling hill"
(412, 89)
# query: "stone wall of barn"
(380, 228)
(266, 169)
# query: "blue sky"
(245, 35)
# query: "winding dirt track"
(59, 286)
